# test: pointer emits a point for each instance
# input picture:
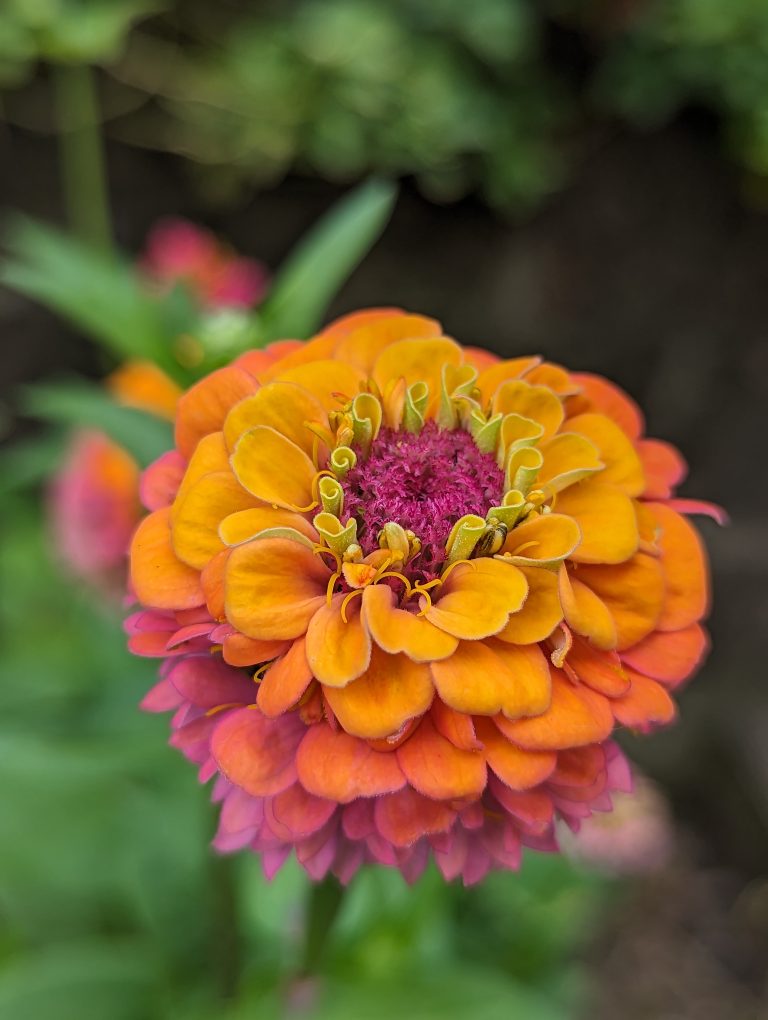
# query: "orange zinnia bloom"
(450, 577)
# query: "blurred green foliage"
(703, 52)
(493, 97)
(113, 906)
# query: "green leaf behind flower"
(81, 404)
(321, 262)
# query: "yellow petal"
(325, 380)
(362, 346)
(247, 524)
(585, 613)
(210, 455)
(541, 612)
(606, 517)
(376, 705)
(281, 406)
(477, 598)
(622, 463)
(273, 588)
(195, 530)
(544, 539)
(338, 651)
(535, 402)
(273, 468)
(632, 591)
(396, 630)
(417, 361)
(492, 377)
(568, 458)
(485, 678)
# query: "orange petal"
(597, 394)
(606, 517)
(579, 766)
(273, 468)
(377, 704)
(273, 588)
(437, 768)
(256, 753)
(622, 464)
(239, 650)
(142, 384)
(196, 519)
(600, 670)
(416, 361)
(669, 656)
(584, 612)
(338, 651)
(684, 563)
(395, 630)
(646, 703)
(632, 591)
(282, 406)
(203, 408)
(492, 377)
(576, 716)
(212, 581)
(335, 765)
(320, 348)
(257, 362)
(664, 468)
(477, 598)
(519, 769)
(363, 345)
(158, 577)
(285, 682)
(481, 678)
(541, 612)
(454, 726)
(406, 816)
(535, 402)
(346, 324)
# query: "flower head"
(178, 250)
(405, 592)
(95, 503)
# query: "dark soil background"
(652, 268)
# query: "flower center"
(425, 482)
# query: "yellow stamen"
(220, 708)
(322, 550)
(347, 600)
(331, 585)
(400, 577)
(258, 676)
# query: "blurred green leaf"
(91, 980)
(29, 461)
(82, 404)
(100, 294)
(323, 259)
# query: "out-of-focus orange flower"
(444, 573)
(95, 504)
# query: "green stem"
(81, 154)
(226, 945)
(323, 905)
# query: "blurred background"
(585, 180)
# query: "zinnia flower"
(180, 251)
(95, 503)
(405, 592)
